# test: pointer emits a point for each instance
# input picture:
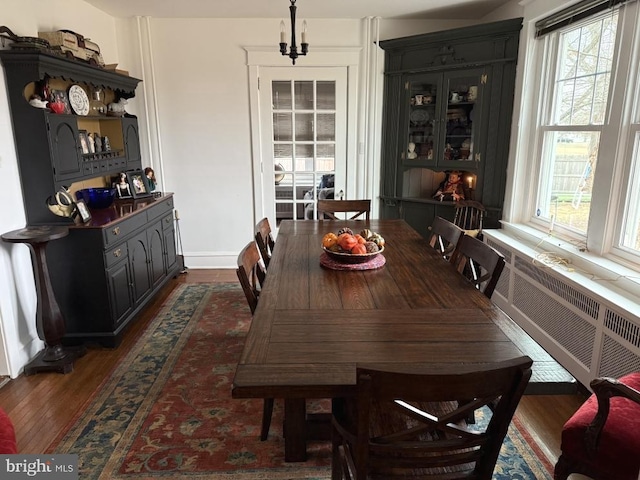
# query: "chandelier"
(293, 51)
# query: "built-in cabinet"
(105, 271)
(448, 101)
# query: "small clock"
(78, 100)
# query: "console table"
(49, 321)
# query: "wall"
(17, 291)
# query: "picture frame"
(122, 186)
(83, 211)
(83, 138)
(139, 184)
(60, 96)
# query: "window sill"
(602, 276)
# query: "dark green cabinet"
(448, 101)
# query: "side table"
(49, 321)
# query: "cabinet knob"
(167, 220)
(116, 231)
(117, 253)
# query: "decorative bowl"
(343, 257)
(97, 197)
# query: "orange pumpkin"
(360, 238)
(347, 241)
(329, 240)
(359, 249)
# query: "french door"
(303, 114)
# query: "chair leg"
(267, 411)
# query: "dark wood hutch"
(105, 271)
(448, 101)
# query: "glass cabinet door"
(423, 126)
(462, 118)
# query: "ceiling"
(391, 9)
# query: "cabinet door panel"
(139, 261)
(171, 254)
(119, 291)
(156, 254)
(423, 99)
(131, 143)
(66, 155)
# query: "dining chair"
(265, 240)
(602, 439)
(328, 208)
(444, 236)
(469, 216)
(479, 263)
(409, 425)
(252, 277)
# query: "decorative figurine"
(451, 188)
(151, 177)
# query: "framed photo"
(83, 211)
(60, 96)
(121, 184)
(84, 141)
(139, 184)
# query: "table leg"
(295, 437)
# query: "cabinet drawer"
(167, 221)
(161, 208)
(115, 255)
(115, 233)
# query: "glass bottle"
(96, 106)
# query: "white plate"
(78, 100)
(418, 117)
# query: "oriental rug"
(166, 410)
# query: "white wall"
(17, 291)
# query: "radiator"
(587, 333)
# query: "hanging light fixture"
(293, 51)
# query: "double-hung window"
(586, 161)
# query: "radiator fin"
(622, 327)
(617, 360)
(566, 327)
(578, 299)
(501, 249)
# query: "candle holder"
(293, 51)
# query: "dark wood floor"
(41, 405)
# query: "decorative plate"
(352, 258)
(419, 117)
(78, 100)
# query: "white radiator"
(583, 329)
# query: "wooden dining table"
(415, 313)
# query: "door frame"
(261, 57)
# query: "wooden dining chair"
(410, 425)
(265, 240)
(328, 208)
(444, 236)
(469, 217)
(479, 263)
(252, 277)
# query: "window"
(574, 120)
(585, 165)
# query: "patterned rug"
(166, 410)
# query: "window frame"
(616, 145)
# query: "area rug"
(166, 410)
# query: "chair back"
(328, 208)
(265, 240)
(251, 274)
(412, 425)
(444, 236)
(469, 216)
(479, 263)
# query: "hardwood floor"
(42, 405)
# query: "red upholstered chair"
(7, 435)
(602, 439)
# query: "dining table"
(411, 311)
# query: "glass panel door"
(423, 124)
(306, 153)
